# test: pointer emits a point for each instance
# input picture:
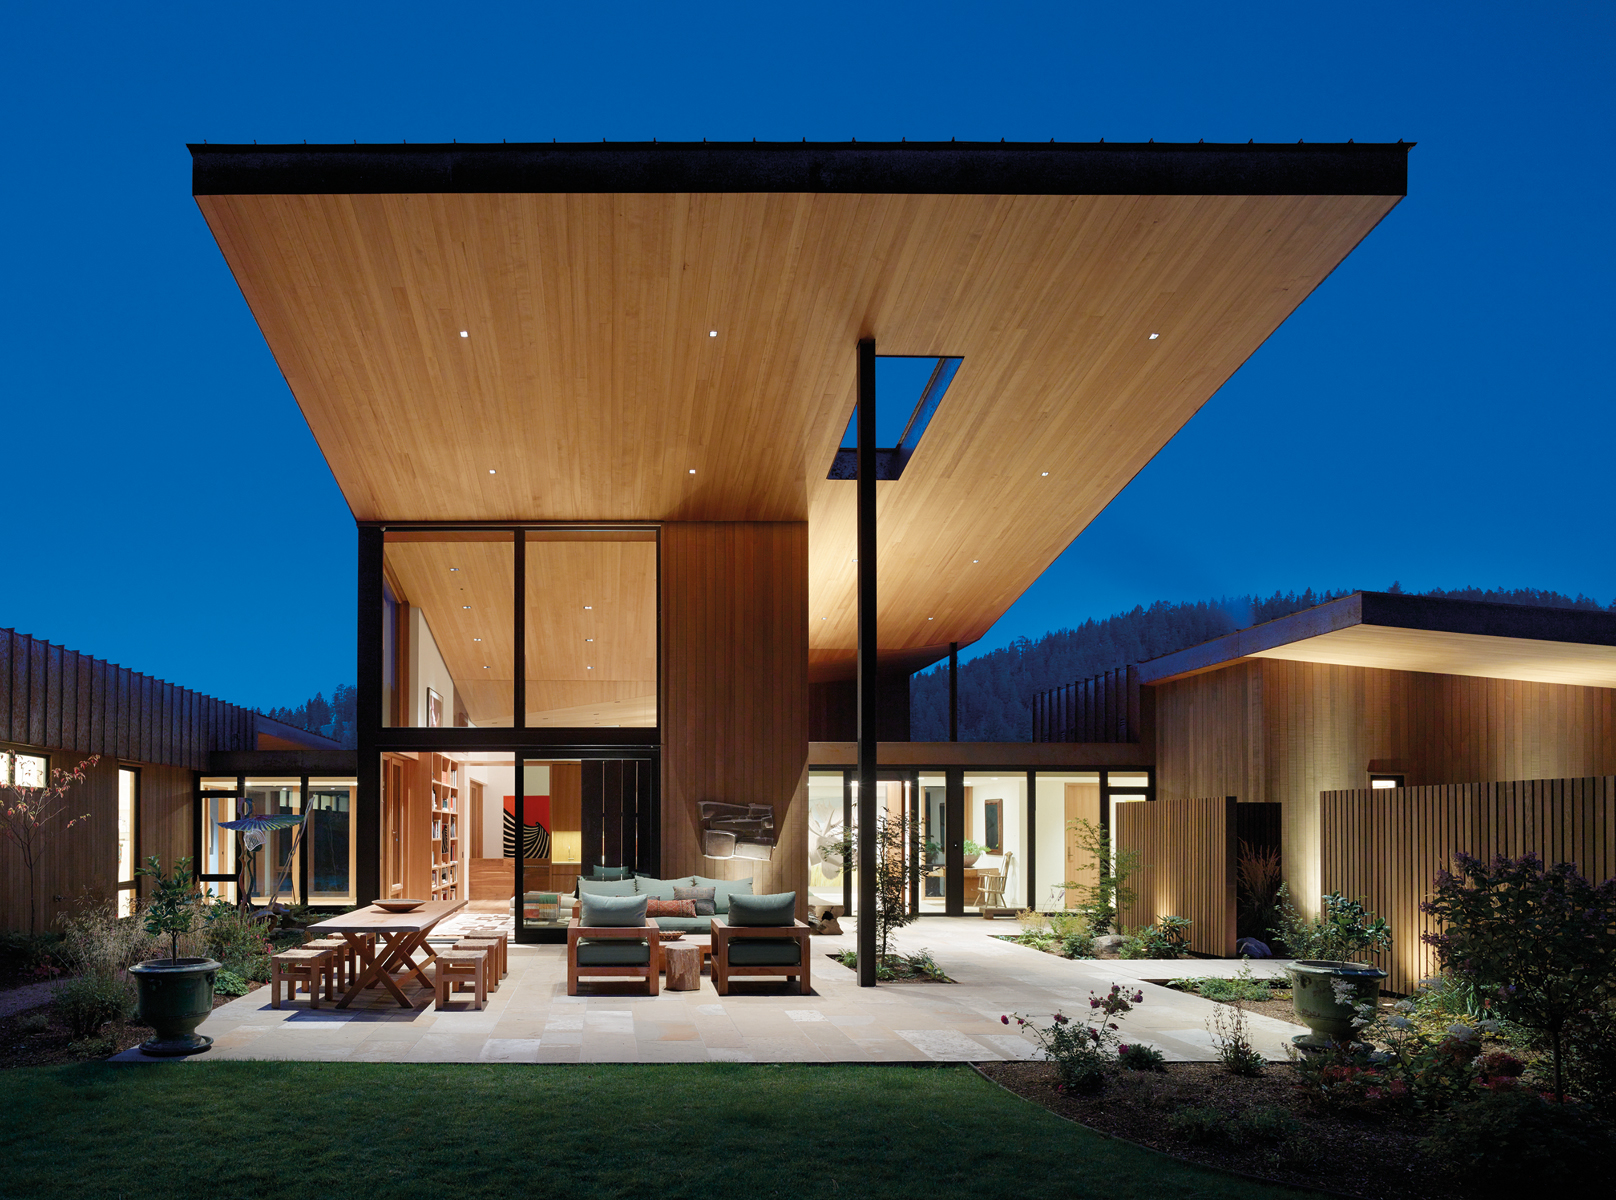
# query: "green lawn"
(261, 1131)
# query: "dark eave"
(913, 168)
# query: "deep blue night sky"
(1438, 413)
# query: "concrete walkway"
(532, 1019)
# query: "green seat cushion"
(600, 872)
(764, 952)
(776, 908)
(612, 952)
(659, 889)
(607, 887)
(597, 911)
(723, 889)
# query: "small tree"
(1110, 892)
(1345, 931)
(26, 813)
(173, 904)
(1541, 942)
(897, 870)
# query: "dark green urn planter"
(1313, 994)
(175, 997)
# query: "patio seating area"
(531, 1018)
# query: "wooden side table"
(683, 964)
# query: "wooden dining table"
(398, 935)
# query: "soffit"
(590, 385)
(1444, 653)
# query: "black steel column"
(953, 691)
(954, 842)
(869, 686)
(1032, 840)
(367, 815)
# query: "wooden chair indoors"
(613, 938)
(761, 936)
(991, 899)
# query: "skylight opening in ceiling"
(908, 390)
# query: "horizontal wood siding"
(1385, 847)
(734, 702)
(1186, 850)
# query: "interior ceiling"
(588, 387)
(591, 623)
(1440, 653)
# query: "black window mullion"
(519, 641)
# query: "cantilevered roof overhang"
(589, 280)
(1420, 633)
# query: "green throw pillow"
(598, 911)
(659, 889)
(723, 889)
(779, 908)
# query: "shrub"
(1133, 946)
(1136, 1056)
(1544, 939)
(33, 1022)
(1240, 987)
(1169, 937)
(1232, 1037)
(227, 983)
(1112, 868)
(1344, 931)
(23, 953)
(1591, 1058)
(97, 941)
(87, 1002)
(1512, 1140)
(1083, 1053)
(1032, 921)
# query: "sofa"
(662, 889)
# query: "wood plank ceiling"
(589, 386)
(1531, 660)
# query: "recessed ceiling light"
(692, 470)
(490, 470)
(824, 618)
(587, 607)
(465, 606)
(476, 639)
(976, 560)
(1154, 336)
(454, 568)
(463, 333)
(589, 639)
(931, 618)
(714, 333)
(589, 668)
(1046, 474)
(485, 666)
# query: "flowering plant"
(25, 813)
(1083, 1051)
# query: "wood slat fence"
(55, 698)
(1386, 846)
(1103, 708)
(1187, 866)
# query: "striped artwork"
(535, 829)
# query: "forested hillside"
(996, 689)
(333, 719)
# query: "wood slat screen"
(1386, 846)
(56, 699)
(1187, 866)
(1103, 708)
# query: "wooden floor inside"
(492, 879)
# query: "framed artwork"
(434, 710)
(993, 826)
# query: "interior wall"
(498, 782)
(734, 691)
(1279, 731)
(427, 670)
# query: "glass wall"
(933, 841)
(330, 840)
(128, 801)
(547, 832)
(828, 872)
(275, 859)
(1064, 798)
(995, 840)
(218, 850)
(591, 634)
(449, 650)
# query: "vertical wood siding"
(1385, 847)
(1269, 730)
(734, 702)
(69, 706)
(1187, 866)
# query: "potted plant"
(1329, 978)
(176, 994)
(973, 851)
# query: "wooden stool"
(504, 948)
(496, 957)
(683, 965)
(312, 967)
(455, 968)
(344, 963)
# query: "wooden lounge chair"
(613, 950)
(759, 950)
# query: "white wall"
(1052, 867)
(498, 782)
(1012, 790)
(427, 670)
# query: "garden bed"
(1269, 1127)
(38, 1038)
(918, 967)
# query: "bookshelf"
(448, 869)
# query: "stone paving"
(532, 1019)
